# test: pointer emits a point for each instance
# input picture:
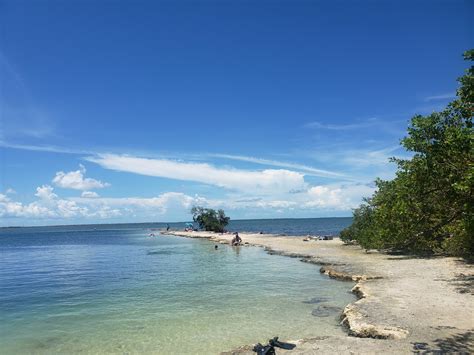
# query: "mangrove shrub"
(427, 207)
(209, 219)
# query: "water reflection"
(237, 249)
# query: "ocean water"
(114, 289)
(293, 226)
(279, 226)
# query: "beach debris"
(264, 349)
(270, 348)
(313, 238)
(326, 237)
(318, 237)
(420, 346)
(321, 237)
(325, 311)
(279, 344)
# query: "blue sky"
(135, 111)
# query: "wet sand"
(405, 304)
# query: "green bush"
(209, 219)
(428, 207)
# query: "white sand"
(404, 300)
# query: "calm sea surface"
(114, 289)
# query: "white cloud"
(17, 209)
(265, 181)
(259, 192)
(50, 206)
(89, 194)
(172, 205)
(76, 180)
(362, 165)
(43, 148)
(338, 197)
(301, 167)
(45, 193)
(154, 205)
(343, 127)
(364, 158)
(333, 197)
(25, 120)
(10, 191)
(446, 96)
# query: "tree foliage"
(209, 219)
(428, 206)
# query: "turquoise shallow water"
(117, 290)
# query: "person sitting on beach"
(236, 240)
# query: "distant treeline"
(428, 207)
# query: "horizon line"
(106, 224)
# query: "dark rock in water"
(165, 252)
(316, 300)
(320, 313)
(325, 311)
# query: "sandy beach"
(405, 304)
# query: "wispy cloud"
(11, 71)
(293, 173)
(265, 181)
(21, 116)
(343, 127)
(389, 124)
(268, 162)
(363, 158)
(27, 121)
(44, 148)
(361, 164)
(446, 96)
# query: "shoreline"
(404, 304)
